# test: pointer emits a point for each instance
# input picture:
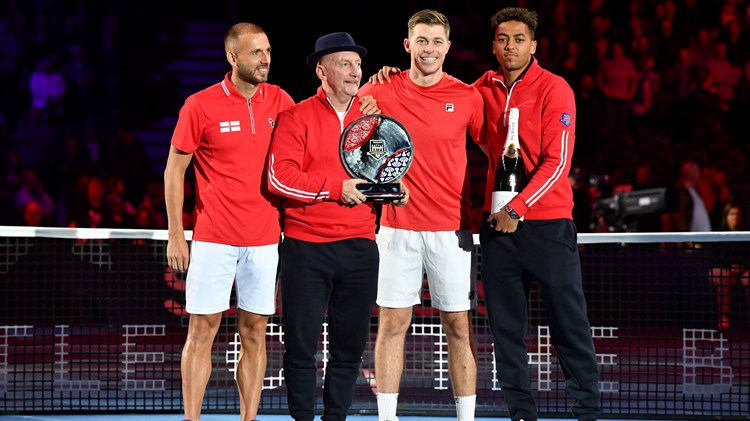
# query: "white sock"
(465, 406)
(387, 403)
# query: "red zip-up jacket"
(304, 166)
(546, 130)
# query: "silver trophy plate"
(377, 148)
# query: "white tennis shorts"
(445, 256)
(215, 267)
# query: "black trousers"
(339, 278)
(545, 252)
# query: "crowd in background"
(659, 85)
(74, 83)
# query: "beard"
(250, 75)
(350, 90)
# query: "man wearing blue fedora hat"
(332, 43)
(329, 258)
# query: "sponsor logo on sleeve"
(565, 119)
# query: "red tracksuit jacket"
(304, 166)
(546, 131)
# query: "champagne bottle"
(510, 174)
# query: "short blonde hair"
(429, 17)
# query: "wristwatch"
(511, 212)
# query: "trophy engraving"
(377, 149)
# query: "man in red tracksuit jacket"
(329, 258)
(542, 247)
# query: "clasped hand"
(502, 222)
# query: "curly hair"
(519, 14)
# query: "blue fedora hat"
(332, 43)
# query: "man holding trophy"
(329, 258)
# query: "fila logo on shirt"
(229, 126)
(449, 107)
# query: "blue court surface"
(234, 417)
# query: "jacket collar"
(234, 95)
(531, 71)
(321, 95)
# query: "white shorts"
(214, 268)
(445, 256)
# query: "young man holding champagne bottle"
(543, 246)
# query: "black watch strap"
(511, 212)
